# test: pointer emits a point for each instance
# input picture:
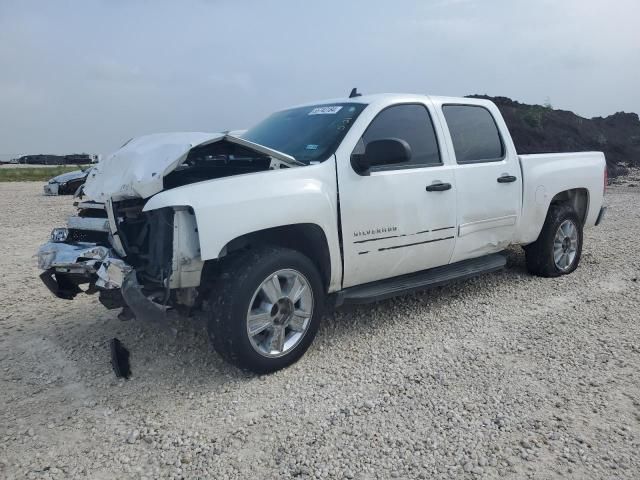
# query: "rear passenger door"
(488, 180)
(392, 224)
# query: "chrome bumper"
(67, 265)
(86, 262)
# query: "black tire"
(540, 255)
(229, 300)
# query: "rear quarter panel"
(546, 175)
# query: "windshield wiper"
(266, 150)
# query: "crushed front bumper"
(67, 265)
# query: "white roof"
(391, 98)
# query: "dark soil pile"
(542, 129)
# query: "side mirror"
(386, 151)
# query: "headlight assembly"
(59, 234)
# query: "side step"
(434, 277)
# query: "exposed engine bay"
(217, 160)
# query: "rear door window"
(474, 134)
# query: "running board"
(434, 277)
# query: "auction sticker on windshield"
(325, 110)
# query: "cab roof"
(391, 98)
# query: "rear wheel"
(559, 246)
(265, 309)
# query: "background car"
(66, 183)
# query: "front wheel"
(558, 249)
(265, 309)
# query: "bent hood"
(136, 170)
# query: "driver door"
(392, 222)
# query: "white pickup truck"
(343, 201)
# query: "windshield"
(309, 134)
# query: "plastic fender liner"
(142, 306)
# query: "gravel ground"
(505, 376)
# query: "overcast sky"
(87, 75)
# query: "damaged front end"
(136, 264)
(145, 260)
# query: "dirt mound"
(542, 129)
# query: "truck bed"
(550, 173)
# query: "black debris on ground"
(120, 359)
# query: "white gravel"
(506, 376)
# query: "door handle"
(506, 179)
(438, 187)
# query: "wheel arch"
(578, 198)
(537, 210)
(307, 238)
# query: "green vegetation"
(10, 173)
(532, 116)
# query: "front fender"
(227, 208)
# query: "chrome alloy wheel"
(565, 245)
(280, 313)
